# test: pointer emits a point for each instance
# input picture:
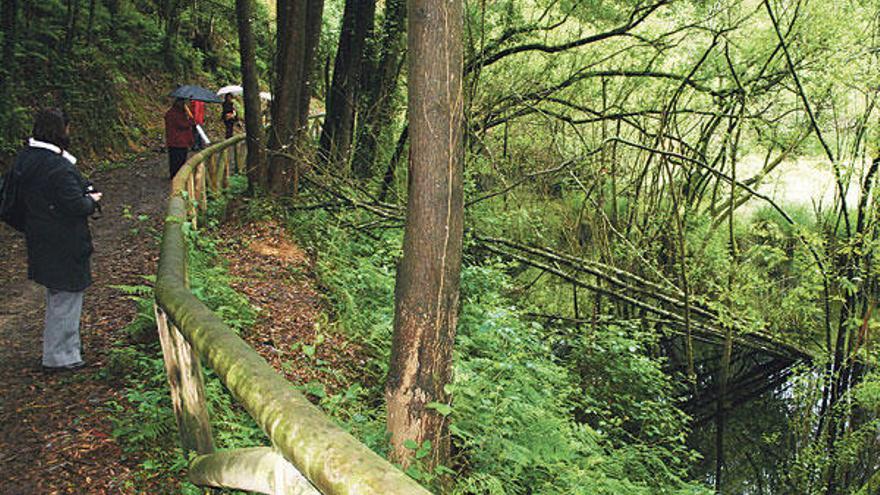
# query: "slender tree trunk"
(376, 112)
(314, 14)
(256, 156)
(724, 371)
(337, 134)
(172, 26)
(427, 289)
(10, 39)
(90, 29)
(72, 18)
(388, 177)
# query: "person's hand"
(96, 196)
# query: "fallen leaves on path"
(291, 332)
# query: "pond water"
(802, 182)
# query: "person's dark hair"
(50, 126)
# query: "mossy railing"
(309, 454)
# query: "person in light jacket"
(58, 203)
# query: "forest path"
(55, 430)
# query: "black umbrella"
(199, 93)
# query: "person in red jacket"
(197, 110)
(178, 135)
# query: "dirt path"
(55, 434)
(278, 277)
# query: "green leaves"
(442, 409)
(424, 450)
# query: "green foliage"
(514, 407)
(512, 416)
(358, 272)
(145, 425)
(209, 279)
(145, 319)
(868, 392)
(112, 79)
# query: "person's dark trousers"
(176, 159)
(230, 125)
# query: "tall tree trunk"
(256, 155)
(314, 14)
(299, 28)
(376, 112)
(172, 26)
(427, 288)
(90, 29)
(724, 369)
(391, 169)
(336, 136)
(72, 18)
(10, 39)
(286, 94)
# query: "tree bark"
(10, 39)
(314, 14)
(426, 293)
(90, 29)
(376, 110)
(256, 156)
(286, 95)
(299, 27)
(337, 134)
(72, 18)
(172, 26)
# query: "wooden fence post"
(240, 157)
(227, 167)
(187, 386)
(201, 181)
(209, 174)
(191, 209)
(216, 176)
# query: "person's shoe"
(67, 367)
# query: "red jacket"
(198, 111)
(178, 129)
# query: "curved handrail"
(331, 459)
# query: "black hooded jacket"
(59, 243)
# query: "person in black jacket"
(229, 115)
(58, 203)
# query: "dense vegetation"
(110, 64)
(640, 311)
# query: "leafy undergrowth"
(526, 416)
(144, 422)
(532, 411)
(261, 286)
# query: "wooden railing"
(309, 454)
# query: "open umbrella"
(233, 90)
(238, 90)
(199, 93)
